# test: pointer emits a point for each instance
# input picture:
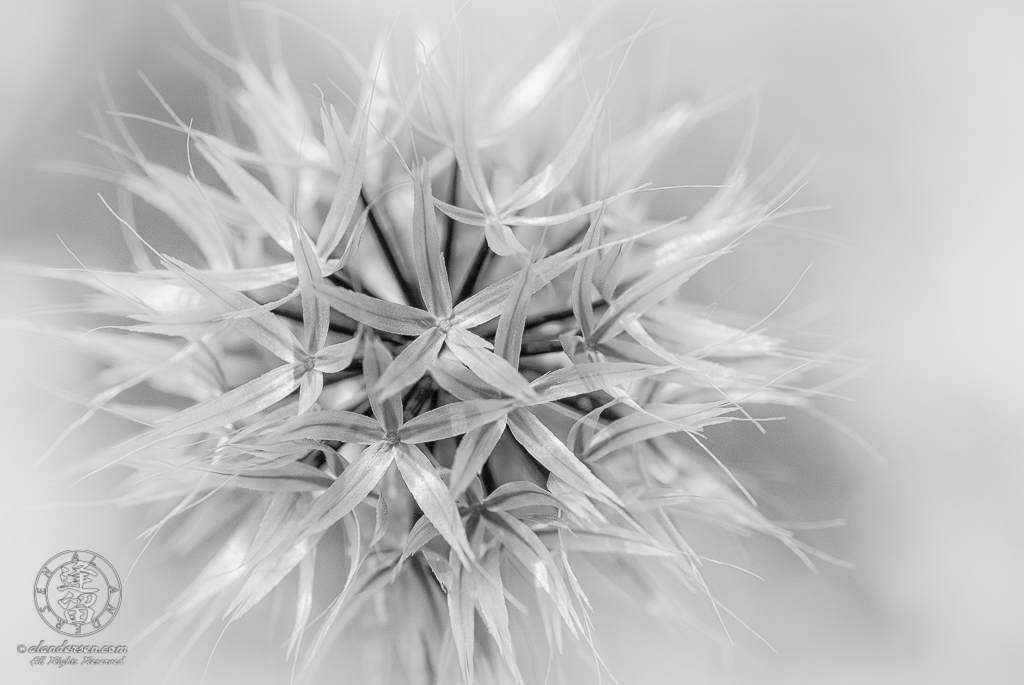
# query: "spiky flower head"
(429, 332)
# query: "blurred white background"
(914, 112)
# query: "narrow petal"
(495, 371)
(547, 179)
(336, 357)
(267, 210)
(661, 419)
(316, 312)
(456, 378)
(526, 95)
(461, 617)
(351, 488)
(433, 497)
(508, 339)
(346, 193)
(461, 214)
(502, 240)
(332, 424)
(310, 387)
(490, 302)
(304, 600)
(262, 326)
(465, 150)
(289, 478)
(472, 454)
(490, 594)
(376, 360)
(243, 401)
(647, 292)
(379, 314)
(453, 419)
(520, 494)
(265, 577)
(411, 363)
(429, 262)
(590, 376)
(582, 281)
(547, 449)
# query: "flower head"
(425, 334)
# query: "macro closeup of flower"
(421, 342)
(429, 347)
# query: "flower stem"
(449, 236)
(410, 293)
(473, 275)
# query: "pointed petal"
(472, 454)
(661, 419)
(508, 339)
(632, 156)
(433, 498)
(583, 279)
(292, 477)
(411, 363)
(316, 312)
(555, 219)
(461, 616)
(243, 401)
(525, 96)
(336, 357)
(609, 270)
(647, 292)
(519, 494)
(380, 314)
(547, 179)
(614, 541)
(387, 409)
(490, 302)
(283, 512)
(502, 240)
(261, 326)
(304, 600)
(265, 577)
(461, 214)
(332, 424)
(590, 376)
(267, 210)
(546, 448)
(490, 595)
(454, 377)
(453, 419)
(429, 262)
(422, 532)
(492, 369)
(351, 488)
(465, 150)
(346, 193)
(202, 212)
(310, 387)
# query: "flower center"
(308, 363)
(391, 438)
(444, 325)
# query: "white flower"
(465, 348)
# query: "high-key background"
(912, 112)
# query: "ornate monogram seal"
(77, 593)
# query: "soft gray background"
(914, 111)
